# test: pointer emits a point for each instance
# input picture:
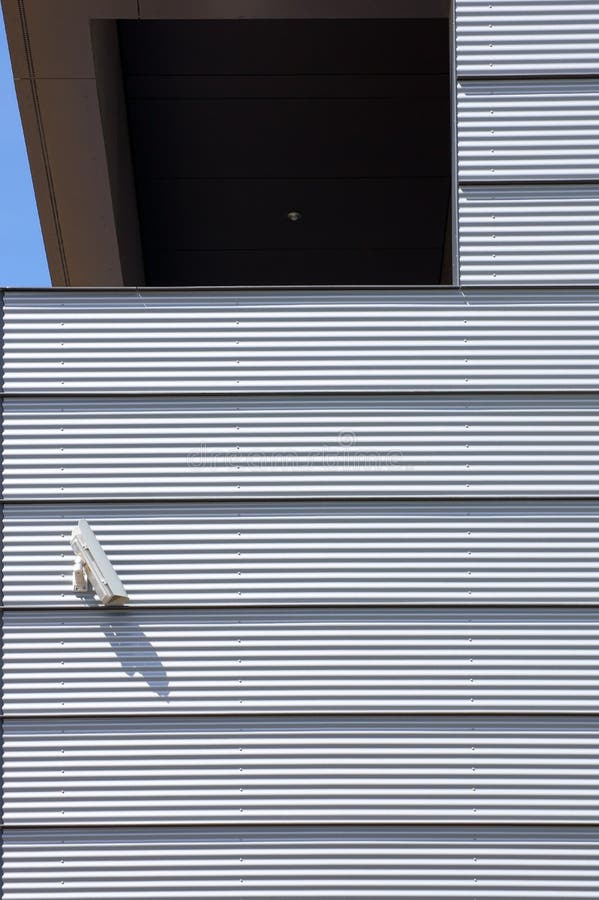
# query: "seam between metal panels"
(526, 182)
(526, 76)
(240, 823)
(235, 395)
(299, 604)
(292, 498)
(276, 716)
(243, 834)
(475, 505)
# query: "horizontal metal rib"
(302, 661)
(410, 340)
(358, 863)
(527, 38)
(296, 770)
(543, 234)
(528, 130)
(346, 553)
(345, 447)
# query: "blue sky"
(22, 256)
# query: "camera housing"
(93, 568)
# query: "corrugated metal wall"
(304, 863)
(361, 537)
(295, 447)
(360, 532)
(528, 133)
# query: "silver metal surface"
(533, 234)
(312, 674)
(360, 863)
(427, 446)
(527, 37)
(337, 553)
(313, 771)
(310, 661)
(529, 130)
(310, 341)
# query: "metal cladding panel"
(309, 341)
(528, 130)
(341, 553)
(301, 447)
(373, 660)
(527, 37)
(533, 234)
(369, 685)
(283, 863)
(179, 771)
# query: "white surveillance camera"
(92, 567)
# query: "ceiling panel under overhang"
(237, 124)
